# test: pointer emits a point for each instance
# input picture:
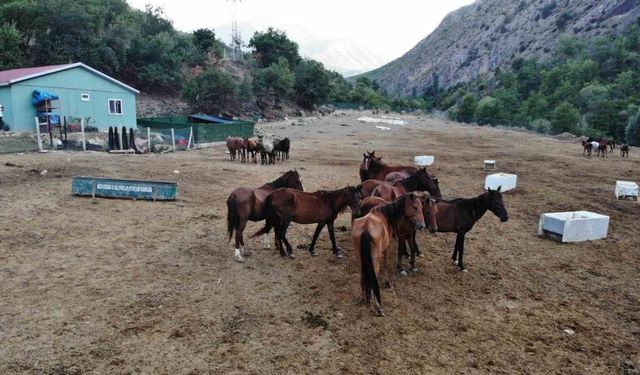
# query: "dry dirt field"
(117, 286)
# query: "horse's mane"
(280, 181)
(393, 211)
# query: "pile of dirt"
(566, 136)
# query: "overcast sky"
(351, 36)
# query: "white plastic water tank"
(574, 226)
(423, 160)
(626, 190)
(507, 181)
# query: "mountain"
(490, 34)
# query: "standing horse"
(602, 148)
(378, 170)
(235, 145)
(419, 181)
(252, 148)
(403, 232)
(281, 148)
(284, 206)
(364, 166)
(624, 150)
(371, 236)
(460, 215)
(267, 155)
(246, 204)
(587, 148)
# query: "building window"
(115, 106)
(85, 97)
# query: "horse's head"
(427, 182)
(431, 208)
(354, 199)
(292, 180)
(412, 205)
(493, 200)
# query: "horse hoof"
(414, 269)
(314, 253)
(455, 262)
(464, 270)
(238, 258)
(292, 256)
(420, 255)
(379, 312)
(403, 273)
(339, 255)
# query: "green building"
(83, 93)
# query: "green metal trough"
(122, 188)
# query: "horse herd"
(243, 148)
(602, 147)
(390, 201)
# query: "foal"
(246, 204)
(371, 236)
(284, 206)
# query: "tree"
(632, 131)
(312, 84)
(275, 81)
(340, 89)
(489, 111)
(212, 91)
(565, 118)
(245, 90)
(271, 46)
(467, 108)
(11, 55)
(205, 41)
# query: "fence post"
(173, 139)
(149, 138)
(122, 140)
(84, 140)
(190, 138)
(38, 135)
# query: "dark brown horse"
(624, 150)
(371, 236)
(284, 206)
(587, 147)
(460, 215)
(247, 204)
(602, 148)
(419, 181)
(364, 166)
(404, 232)
(378, 170)
(252, 149)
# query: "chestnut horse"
(236, 145)
(246, 204)
(371, 236)
(460, 215)
(419, 181)
(624, 150)
(252, 149)
(364, 166)
(378, 170)
(284, 206)
(587, 147)
(406, 232)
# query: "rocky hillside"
(488, 34)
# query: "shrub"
(212, 91)
(565, 118)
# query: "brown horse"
(395, 176)
(587, 147)
(403, 231)
(364, 166)
(378, 170)
(252, 149)
(284, 206)
(246, 204)
(419, 181)
(236, 145)
(368, 186)
(460, 215)
(624, 150)
(602, 148)
(371, 236)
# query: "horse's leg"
(283, 237)
(414, 250)
(332, 235)
(454, 257)
(401, 251)
(238, 250)
(319, 227)
(415, 246)
(385, 270)
(460, 244)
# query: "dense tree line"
(587, 88)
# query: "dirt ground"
(118, 286)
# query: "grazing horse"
(236, 145)
(419, 181)
(587, 147)
(252, 148)
(246, 204)
(371, 236)
(406, 232)
(624, 150)
(364, 166)
(460, 215)
(378, 170)
(284, 206)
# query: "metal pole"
(190, 137)
(84, 140)
(38, 134)
(173, 139)
(149, 138)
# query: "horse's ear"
(499, 187)
(489, 189)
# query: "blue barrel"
(122, 188)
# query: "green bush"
(273, 84)
(489, 111)
(565, 118)
(213, 91)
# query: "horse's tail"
(369, 279)
(233, 220)
(270, 218)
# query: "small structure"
(423, 160)
(205, 128)
(574, 226)
(504, 180)
(121, 188)
(489, 165)
(83, 92)
(626, 190)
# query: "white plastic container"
(423, 160)
(507, 181)
(626, 190)
(574, 226)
